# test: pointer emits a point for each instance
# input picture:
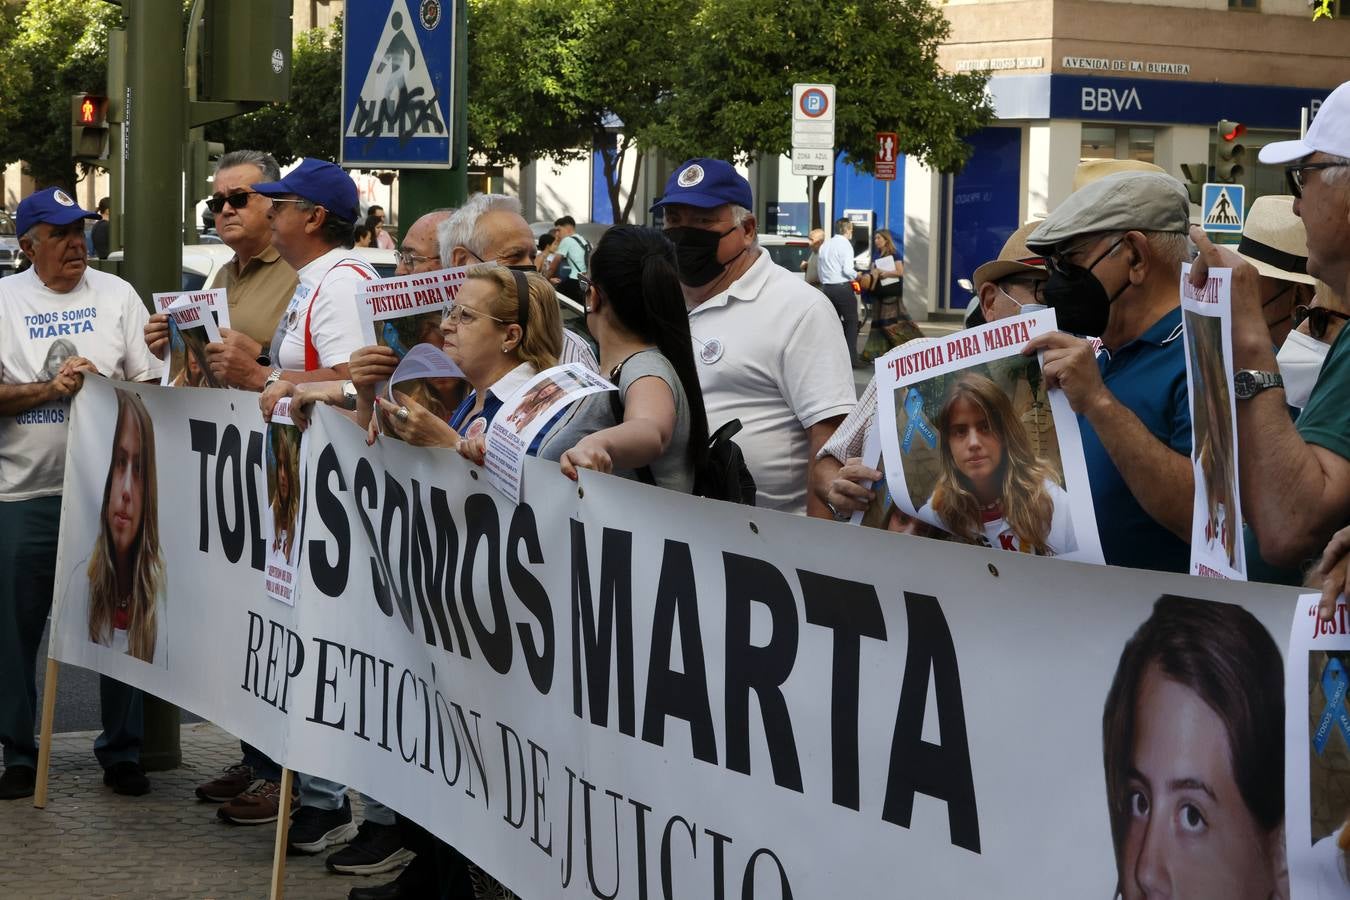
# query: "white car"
(788, 250)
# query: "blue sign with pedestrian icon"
(1222, 208)
(398, 83)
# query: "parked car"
(10, 255)
(788, 250)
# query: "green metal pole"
(155, 118)
(422, 190)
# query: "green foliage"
(49, 49)
(736, 88)
(307, 124)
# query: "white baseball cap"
(1329, 132)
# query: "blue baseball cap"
(319, 182)
(52, 206)
(706, 183)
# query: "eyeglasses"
(1294, 174)
(1318, 318)
(460, 314)
(276, 200)
(410, 259)
(236, 201)
(1057, 260)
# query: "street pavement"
(92, 844)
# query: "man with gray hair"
(767, 343)
(1114, 250)
(258, 283)
(487, 228)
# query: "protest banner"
(195, 320)
(613, 690)
(525, 413)
(1217, 550)
(1317, 752)
(285, 499)
(975, 445)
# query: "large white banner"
(611, 691)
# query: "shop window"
(1098, 143)
(1141, 144)
(1111, 142)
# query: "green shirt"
(1325, 421)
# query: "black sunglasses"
(1294, 174)
(1318, 318)
(236, 201)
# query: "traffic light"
(1228, 164)
(88, 126)
(1196, 175)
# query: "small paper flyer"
(406, 310)
(285, 499)
(177, 350)
(1317, 753)
(524, 414)
(974, 444)
(191, 327)
(1216, 524)
(428, 376)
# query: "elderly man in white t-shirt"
(59, 321)
(767, 343)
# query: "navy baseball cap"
(706, 183)
(319, 182)
(52, 206)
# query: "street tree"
(49, 49)
(735, 87)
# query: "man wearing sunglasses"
(258, 283)
(1295, 478)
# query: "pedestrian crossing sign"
(1222, 209)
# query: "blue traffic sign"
(398, 83)
(1221, 209)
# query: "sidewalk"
(92, 844)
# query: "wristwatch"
(1247, 383)
(272, 379)
(348, 395)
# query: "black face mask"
(1079, 300)
(696, 254)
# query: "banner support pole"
(45, 734)
(283, 831)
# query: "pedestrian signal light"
(89, 126)
(1196, 174)
(1228, 163)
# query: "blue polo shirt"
(1148, 377)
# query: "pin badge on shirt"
(476, 427)
(711, 351)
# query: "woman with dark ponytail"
(655, 430)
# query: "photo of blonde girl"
(283, 488)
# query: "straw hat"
(1014, 257)
(1275, 241)
(1089, 170)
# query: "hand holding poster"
(285, 499)
(427, 376)
(975, 445)
(1216, 526)
(187, 365)
(1317, 752)
(525, 413)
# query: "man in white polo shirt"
(767, 343)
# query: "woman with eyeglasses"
(655, 429)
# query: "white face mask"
(1300, 362)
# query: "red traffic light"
(1231, 131)
(90, 109)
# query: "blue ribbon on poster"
(1334, 687)
(914, 412)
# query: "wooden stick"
(283, 831)
(45, 734)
